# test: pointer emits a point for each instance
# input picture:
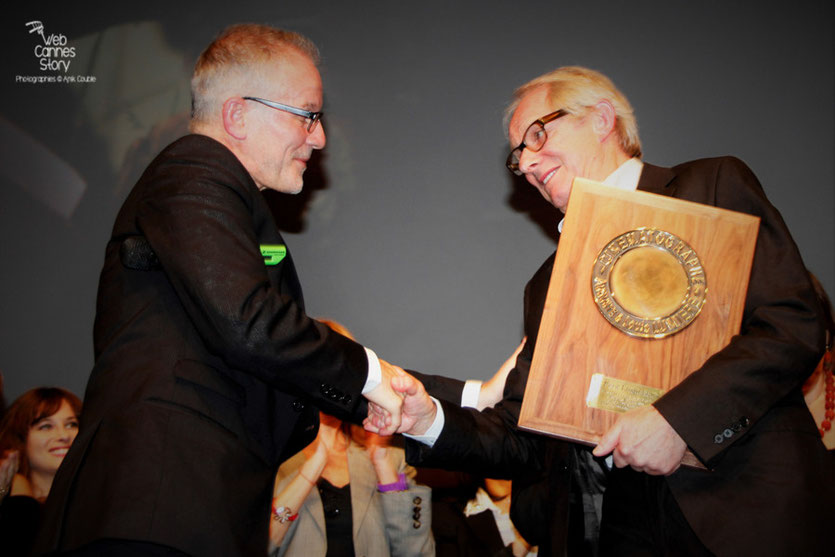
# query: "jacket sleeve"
(488, 443)
(408, 518)
(444, 388)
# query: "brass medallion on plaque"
(648, 283)
(628, 314)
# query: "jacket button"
(718, 438)
(728, 433)
(744, 421)
(297, 405)
(416, 524)
(417, 500)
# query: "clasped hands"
(399, 404)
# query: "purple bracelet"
(399, 485)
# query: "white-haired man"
(767, 481)
(207, 367)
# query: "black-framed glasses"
(312, 117)
(533, 140)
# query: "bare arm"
(292, 496)
(492, 390)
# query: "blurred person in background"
(349, 493)
(819, 389)
(474, 521)
(35, 434)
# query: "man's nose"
(527, 161)
(316, 138)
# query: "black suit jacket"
(206, 368)
(768, 483)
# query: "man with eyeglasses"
(767, 488)
(208, 372)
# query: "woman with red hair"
(36, 432)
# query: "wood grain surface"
(575, 341)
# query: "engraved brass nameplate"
(648, 283)
(617, 395)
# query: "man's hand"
(418, 409)
(644, 440)
(417, 413)
(384, 403)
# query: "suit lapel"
(363, 485)
(283, 275)
(313, 506)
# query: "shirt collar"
(626, 176)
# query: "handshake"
(641, 438)
(399, 404)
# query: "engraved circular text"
(648, 283)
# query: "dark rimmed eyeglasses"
(533, 140)
(311, 117)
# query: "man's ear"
(604, 119)
(234, 117)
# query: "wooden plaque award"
(645, 288)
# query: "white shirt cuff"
(375, 374)
(431, 435)
(469, 396)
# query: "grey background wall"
(410, 230)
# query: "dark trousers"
(641, 518)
